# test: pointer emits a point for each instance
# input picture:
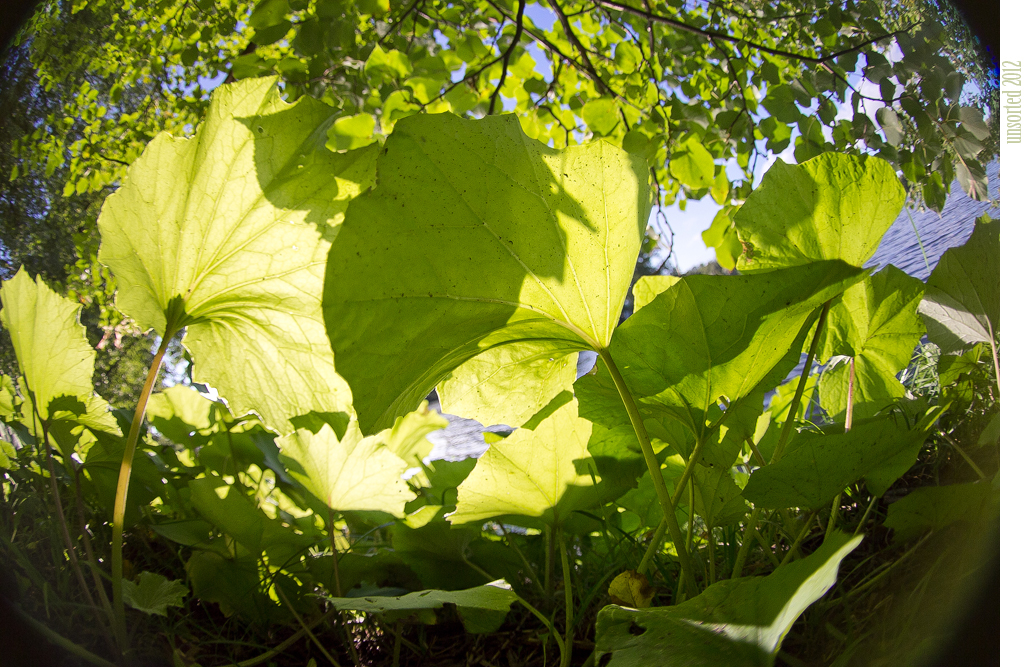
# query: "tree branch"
(567, 27)
(507, 56)
(712, 34)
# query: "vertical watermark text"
(1010, 92)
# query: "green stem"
(547, 624)
(866, 514)
(748, 537)
(799, 538)
(849, 396)
(567, 583)
(833, 515)
(787, 428)
(121, 497)
(530, 572)
(653, 467)
(305, 628)
(334, 552)
(970, 461)
(549, 564)
(263, 657)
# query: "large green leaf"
(734, 623)
(834, 206)
(878, 327)
(961, 302)
(228, 232)
(545, 473)
(408, 438)
(477, 236)
(706, 337)
(55, 359)
(184, 415)
(472, 603)
(817, 466)
(507, 384)
(353, 473)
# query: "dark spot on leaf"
(605, 659)
(636, 630)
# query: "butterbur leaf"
(184, 415)
(545, 473)
(507, 384)
(631, 589)
(55, 359)
(706, 337)
(961, 301)
(350, 473)
(473, 605)
(8, 456)
(734, 623)
(227, 233)
(833, 206)
(153, 594)
(877, 325)
(408, 438)
(818, 466)
(477, 236)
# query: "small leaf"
(891, 124)
(601, 115)
(693, 166)
(153, 594)
(631, 589)
(472, 603)
(351, 132)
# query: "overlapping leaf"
(834, 206)
(477, 236)
(228, 233)
(817, 466)
(734, 623)
(878, 327)
(507, 384)
(706, 337)
(545, 473)
(961, 302)
(351, 473)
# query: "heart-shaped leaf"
(477, 236)
(834, 206)
(227, 233)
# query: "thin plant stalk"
(305, 628)
(530, 572)
(547, 624)
(653, 467)
(799, 539)
(833, 515)
(121, 497)
(280, 648)
(864, 518)
(90, 555)
(334, 553)
(567, 582)
(63, 642)
(787, 428)
(961, 452)
(849, 396)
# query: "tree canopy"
(704, 91)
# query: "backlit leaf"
(545, 473)
(507, 384)
(834, 206)
(477, 236)
(55, 359)
(961, 301)
(228, 233)
(354, 473)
